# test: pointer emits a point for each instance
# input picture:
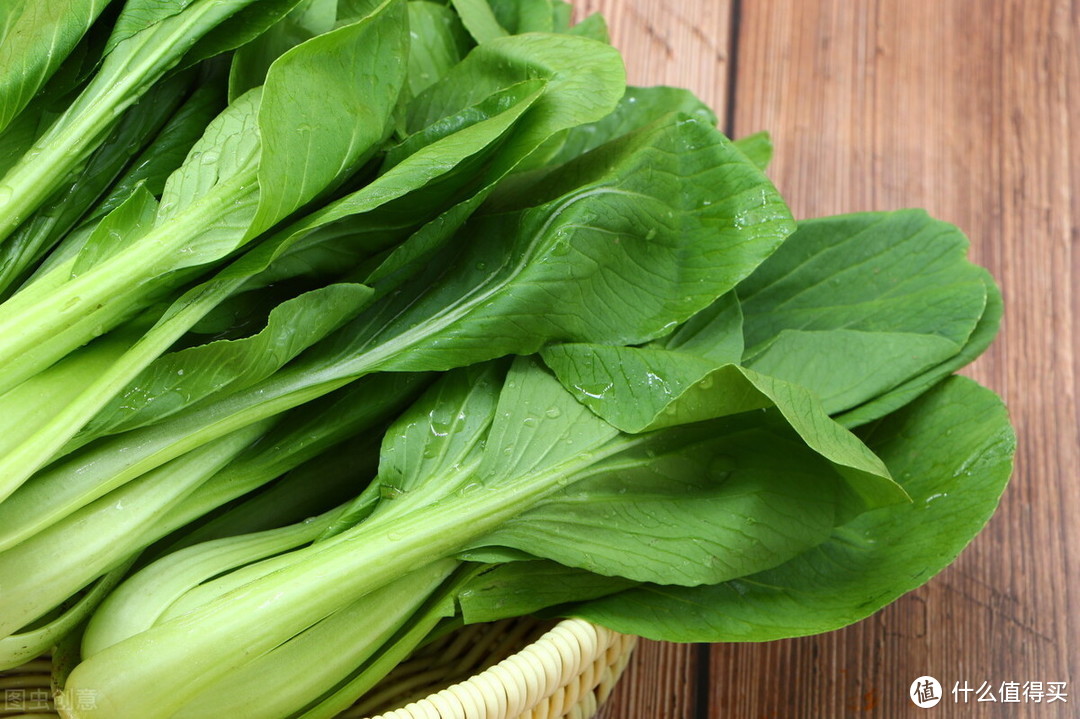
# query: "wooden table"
(971, 109)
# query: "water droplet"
(553, 412)
(439, 424)
(657, 382)
(721, 467)
(5, 193)
(389, 491)
(481, 266)
(529, 422)
(180, 372)
(594, 390)
(650, 234)
(560, 248)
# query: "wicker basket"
(507, 670)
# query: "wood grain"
(667, 42)
(971, 109)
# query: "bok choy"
(329, 326)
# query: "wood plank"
(683, 44)
(661, 681)
(671, 43)
(967, 108)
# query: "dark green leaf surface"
(326, 106)
(685, 506)
(521, 16)
(657, 225)
(479, 19)
(439, 43)
(35, 37)
(715, 333)
(852, 306)
(758, 148)
(640, 106)
(952, 451)
(638, 390)
(252, 60)
(179, 379)
(898, 396)
(122, 227)
(521, 588)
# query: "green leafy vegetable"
(329, 326)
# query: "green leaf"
(228, 151)
(715, 333)
(852, 306)
(582, 82)
(871, 363)
(439, 43)
(249, 23)
(537, 426)
(428, 170)
(658, 224)
(36, 237)
(638, 390)
(517, 98)
(521, 16)
(758, 148)
(518, 589)
(749, 499)
(35, 37)
(326, 106)
(562, 14)
(252, 60)
(585, 80)
(440, 436)
(898, 396)
(593, 27)
(640, 106)
(479, 19)
(952, 450)
(180, 379)
(122, 227)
